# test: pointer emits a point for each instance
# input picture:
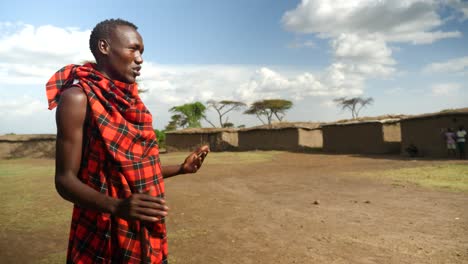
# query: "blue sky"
(410, 56)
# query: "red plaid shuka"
(120, 157)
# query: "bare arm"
(191, 164)
(70, 117)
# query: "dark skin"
(119, 59)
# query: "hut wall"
(427, 133)
(269, 139)
(185, 142)
(361, 138)
(310, 138)
(30, 146)
(219, 141)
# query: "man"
(461, 134)
(107, 160)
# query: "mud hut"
(27, 146)
(363, 137)
(426, 131)
(219, 139)
(281, 136)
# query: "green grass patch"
(32, 210)
(29, 200)
(451, 177)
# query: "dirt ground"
(305, 208)
(298, 208)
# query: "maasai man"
(107, 160)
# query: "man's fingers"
(147, 197)
(147, 218)
(204, 148)
(194, 161)
(153, 206)
(150, 212)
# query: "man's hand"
(195, 160)
(141, 206)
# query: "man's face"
(125, 54)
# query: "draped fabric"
(120, 157)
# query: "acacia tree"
(187, 115)
(222, 108)
(354, 104)
(269, 108)
(176, 121)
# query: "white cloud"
(31, 54)
(400, 21)
(267, 84)
(369, 55)
(351, 46)
(445, 89)
(20, 107)
(178, 84)
(451, 66)
(360, 32)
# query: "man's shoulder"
(73, 95)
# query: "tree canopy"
(187, 115)
(222, 108)
(354, 104)
(269, 108)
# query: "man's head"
(117, 47)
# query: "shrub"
(161, 136)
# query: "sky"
(410, 56)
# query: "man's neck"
(102, 69)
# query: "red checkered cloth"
(120, 157)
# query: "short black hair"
(102, 31)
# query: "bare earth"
(305, 208)
(298, 208)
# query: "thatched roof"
(446, 112)
(383, 119)
(388, 119)
(285, 125)
(203, 130)
(372, 118)
(274, 126)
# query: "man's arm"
(191, 164)
(70, 118)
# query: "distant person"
(450, 139)
(461, 140)
(107, 158)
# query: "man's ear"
(103, 46)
